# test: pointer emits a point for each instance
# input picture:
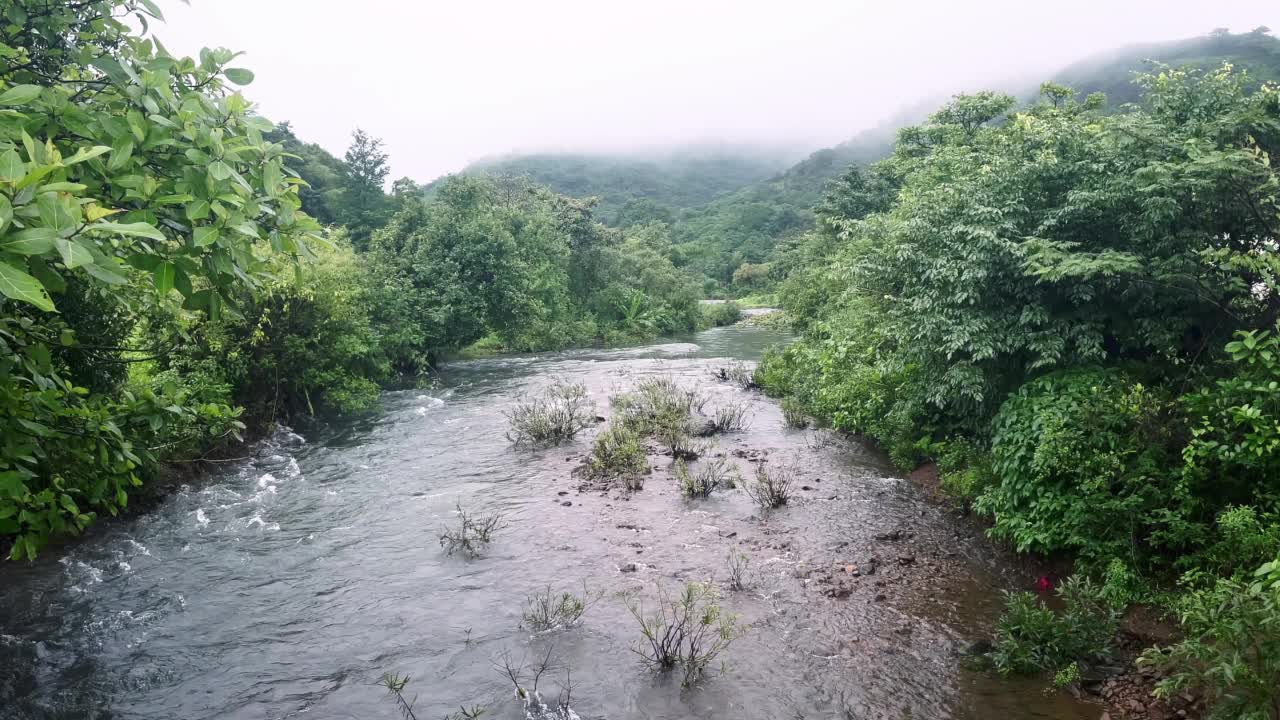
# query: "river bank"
(291, 581)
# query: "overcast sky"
(445, 83)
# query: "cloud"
(444, 83)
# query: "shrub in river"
(738, 374)
(548, 609)
(619, 454)
(770, 488)
(555, 415)
(472, 533)
(396, 684)
(729, 418)
(793, 414)
(658, 403)
(688, 631)
(535, 708)
(1031, 638)
(705, 479)
(1230, 651)
(679, 442)
(720, 314)
(738, 564)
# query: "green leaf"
(6, 212)
(198, 210)
(219, 170)
(74, 254)
(137, 229)
(152, 9)
(105, 274)
(205, 235)
(239, 76)
(12, 169)
(163, 278)
(17, 285)
(32, 241)
(23, 94)
(86, 154)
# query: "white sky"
(445, 82)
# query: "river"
(285, 585)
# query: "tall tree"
(365, 204)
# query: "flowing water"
(286, 584)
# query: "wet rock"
(629, 568)
(805, 487)
(562, 493)
(907, 559)
(881, 597)
(894, 536)
(977, 647)
(567, 503)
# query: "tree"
(141, 180)
(364, 202)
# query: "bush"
(770, 488)
(729, 418)
(738, 564)
(720, 314)
(558, 414)
(547, 610)
(1031, 638)
(737, 374)
(1084, 465)
(793, 414)
(618, 454)
(705, 480)
(688, 631)
(1230, 651)
(472, 534)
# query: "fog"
(445, 83)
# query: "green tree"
(129, 179)
(365, 205)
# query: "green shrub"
(964, 468)
(720, 314)
(618, 454)
(689, 631)
(705, 479)
(554, 416)
(1083, 465)
(1230, 651)
(547, 609)
(771, 487)
(793, 414)
(1031, 638)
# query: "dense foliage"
(165, 286)
(1073, 310)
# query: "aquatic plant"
(770, 488)
(729, 418)
(535, 708)
(705, 479)
(738, 374)
(557, 414)
(688, 631)
(619, 455)
(738, 564)
(547, 609)
(472, 534)
(793, 414)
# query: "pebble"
(629, 568)
(567, 503)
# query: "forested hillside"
(722, 217)
(635, 189)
